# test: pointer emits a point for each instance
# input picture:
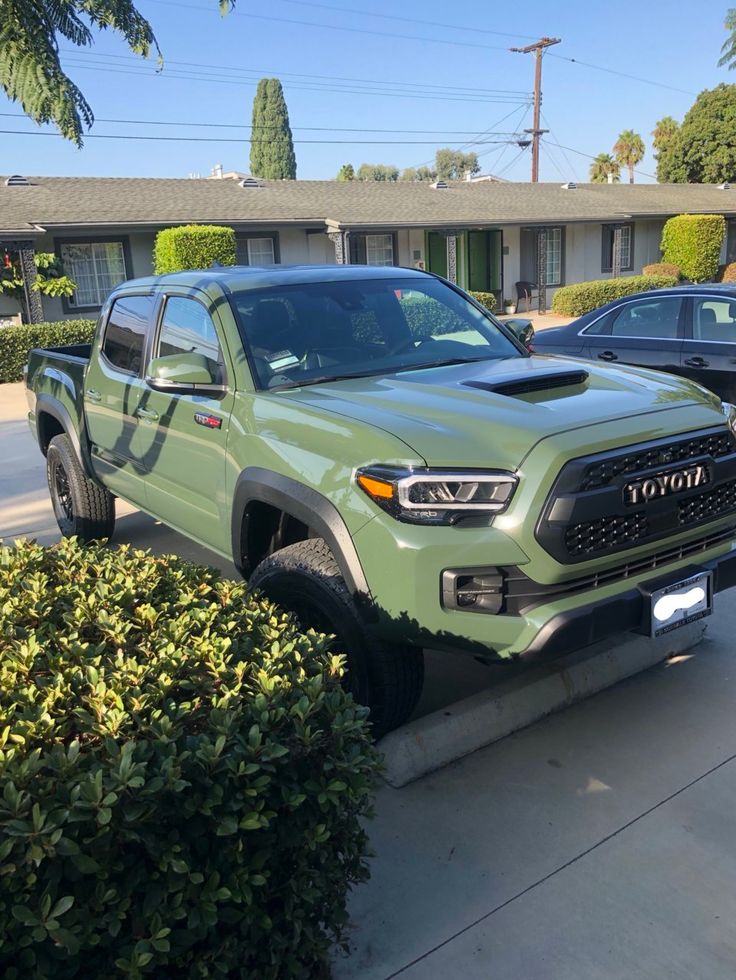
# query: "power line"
(498, 122)
(335, 27)
(227, 139)
(621, 74)
(591, 157)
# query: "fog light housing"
(473, 589)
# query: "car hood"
(491, 413)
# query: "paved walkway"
(598, 844)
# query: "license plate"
(681, 603)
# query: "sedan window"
(714, 320)
(650, 318)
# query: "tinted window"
(648, 318)
(306, 333)
(187, 328)
(125, 333)
(714, 320)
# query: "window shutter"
(606, 248)
(528, 264)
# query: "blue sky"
(449, 91)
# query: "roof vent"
(17, 180)
(569, 186)
(724, 187)
(440, 185)
(250, 182)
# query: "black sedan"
(687, 330)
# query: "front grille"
(708, 506)
(604, 534)
(601, 474)
(590, 514)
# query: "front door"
(113, 393)
(485, 262)
(709, 351)
(187, 434)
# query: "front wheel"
(385, 677)
(82, 508)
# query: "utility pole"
(538, 48)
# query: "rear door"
(187, 434)
(646, 332)
(709, 351)
(113, 392)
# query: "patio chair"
(525, 290)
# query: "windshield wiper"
(447, 362)
(324, 378)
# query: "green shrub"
(662, 269)
(727, 273)
(582, 297)
(193, 247)
(182, 777)
(485, 299)
(693, 242)
(16, 342)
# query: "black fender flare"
(47, 404)
(307, 506)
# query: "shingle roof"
(60, 202)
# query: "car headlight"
(729, 411)
(435, 496)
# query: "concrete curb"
(453, 732)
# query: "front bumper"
(625, 612)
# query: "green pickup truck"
(378, 453)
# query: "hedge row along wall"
(17, 342)
(693, 243)
(193, 247)
(582, 297)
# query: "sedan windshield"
(310, 333)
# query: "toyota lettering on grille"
(666, 484)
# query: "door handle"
(147, 414)
(608, 355)
(696, 362)
(93, 395)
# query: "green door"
(437, 253)
(485, 261)
(187, 434)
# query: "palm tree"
(602, 166)
(629, 150)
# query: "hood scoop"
(540, 382)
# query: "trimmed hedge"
(485, 299)
(693, 242)
(662, 269)
(17, 342)
(182, 776)
(193, 247)
(727, 273)
(582, 297)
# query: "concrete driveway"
(599, 843)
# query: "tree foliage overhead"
(454, 164)
(346, 172)
(422, 174)
(30, 67)
(377, 171)
(703, 149)
(271, 147)
(664, 137)
(728, 48)
(602, 166)
(629, 150)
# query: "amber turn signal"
(376, 488)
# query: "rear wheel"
(81, 507)
(386, 677)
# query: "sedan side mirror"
(183, 374)
(523, 330)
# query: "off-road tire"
(386, 677)
(81, 507)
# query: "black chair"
(525, 290)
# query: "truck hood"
(494, 412)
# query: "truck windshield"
(310, 333)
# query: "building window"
(379, 249)
(627, 248)
(257, 250)
(554, 256)
(529, 265)
(96, 267)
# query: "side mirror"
(523, 330)
(183, 374)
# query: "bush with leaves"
(17, 342)
(485, 299)
(182, 776)
(662, 269)
(727, 272)
(693, 243)
(582, 297)
(193, 247)
(50, 279)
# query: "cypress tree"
(271, 149)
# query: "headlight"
(437, 496)
(729, 411)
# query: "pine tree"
(271, 147)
